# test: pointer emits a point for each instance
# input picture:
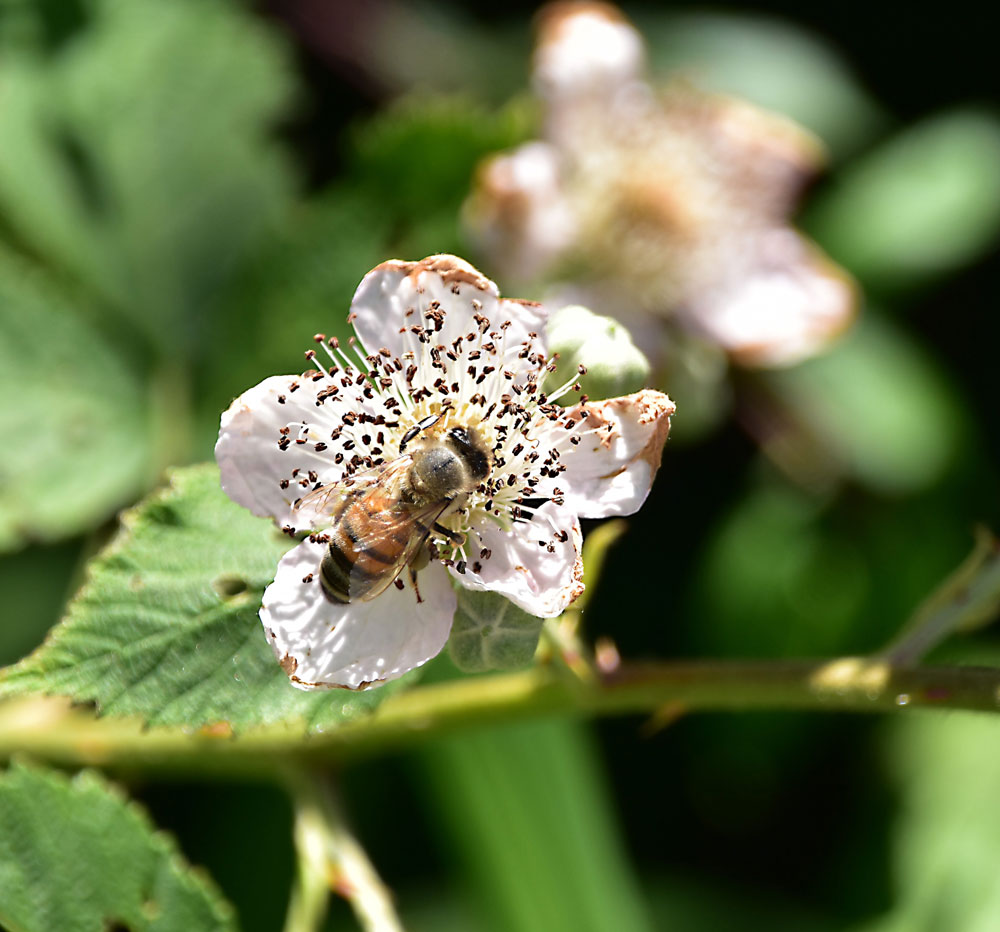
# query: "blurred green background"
(188, 191)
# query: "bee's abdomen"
(364, 548)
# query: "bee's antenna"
(428, 421)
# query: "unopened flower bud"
(600, 348)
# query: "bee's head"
(469, 445)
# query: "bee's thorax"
(445, 469)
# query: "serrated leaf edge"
(193, 877)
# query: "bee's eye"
(469, 447)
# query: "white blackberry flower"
(439, 358)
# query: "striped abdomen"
(372, 538)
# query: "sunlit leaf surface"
(76, 856)
(878, 407)
(417, 160)
(73, 416)
(147, 197)
(918, 206)
(166, 626)
(947, 842)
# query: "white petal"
(395, 295)
(324, 645)
(585, 49)
(762, 160)
(247, 451)
(786, 305)
(519, 213)
(252, 463)
(611, 470)
(541, 583)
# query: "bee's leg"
(413, 582)
(454, 536)
(420, 559)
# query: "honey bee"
(380, 523)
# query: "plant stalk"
(329, 857)
(51, 730)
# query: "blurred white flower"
(426, 455)
(523, 194)
(677, 202)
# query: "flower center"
(477, 379)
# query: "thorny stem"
(50, 730)
(329, 857)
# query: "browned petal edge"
(764, 134)
(289, 664)
(761, 354)
(753, 136)
(497, 198)
(551, 19)
(577, 586)
(451, 269)
(364, 684)
(652, 407)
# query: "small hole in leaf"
(227, 586)
(162, 513)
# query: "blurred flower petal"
(678, 202)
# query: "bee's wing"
(390, 524)
(322, 503)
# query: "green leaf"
(773, 64)
(136, 156)
(773, 583)
(947, 842)
(39, 25)
(491, 633)
(78, 439)
(926, 202)
(533, 824)
(35, 583)
(166, 625)
(76, 856)
(417, 160)
(876, 408)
